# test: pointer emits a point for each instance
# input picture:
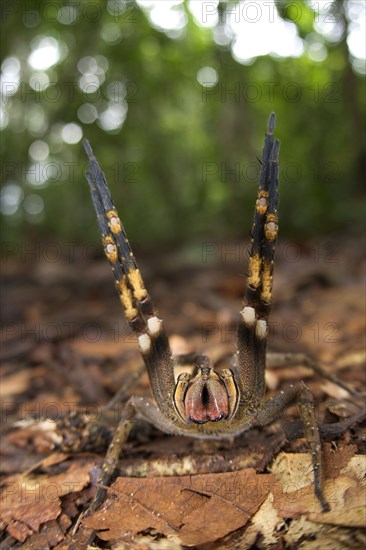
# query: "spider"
(204, 404)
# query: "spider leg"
(144, 408)
(253, 328)
(113, 453)
(298, 394)
(137, 304)
(255, 254)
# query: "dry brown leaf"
(51, 460)
(332, 390)
(199, 509)
(28, 501)
(343, 409)
(292, 470)
(267, 522)
(49, 536)
(41, 434)
(353, 358)
(356, 468)
(103, 347)
(348, 504)
(314, 536)
(334, 459)
(18, 530)
(293, 496)
(18, 383)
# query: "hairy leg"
(252, 332)
(114, 450)
(298, 394)
(135, 299)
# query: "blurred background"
(174, 97)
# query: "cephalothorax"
(205, 403)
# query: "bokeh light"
(207, 76)
(45, 54)
(71, 133)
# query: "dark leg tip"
(322, 500)
(324, 504)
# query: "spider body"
(204, 404)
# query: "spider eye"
(206, 400)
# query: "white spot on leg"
(261, 329)
(144, 342)
(154, 324)
(248, 315)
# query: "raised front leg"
(253, 322)
(298, 394)
(134, 297)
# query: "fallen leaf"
(348, 504)
(292, 470)
(294, 496)
(28, 501)
(18, 383)
(198, 509)
(326, 537)
(266, 522)
(334, 459)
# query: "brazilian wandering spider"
(206, 404)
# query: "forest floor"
(67, 347)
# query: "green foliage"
(183, 164)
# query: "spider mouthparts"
(206, 400)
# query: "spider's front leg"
(250, 360)
(134, 297)
(253, 325)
